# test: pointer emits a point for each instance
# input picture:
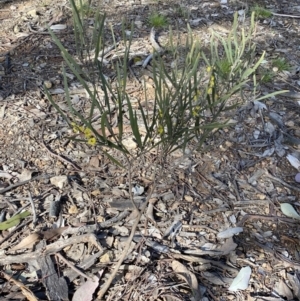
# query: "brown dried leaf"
(28, 242)
(183, 273)
(94, 162)
(53, 233)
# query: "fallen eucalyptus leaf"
(15, 220)
(229, 232)
(86, 290)
(183, 273)
(288, 210)
(58, 27)
(241, 281)
(294, 161)
(51, 234)
(173, 229)
(28, 242)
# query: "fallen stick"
(51, 249)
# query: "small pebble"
(297, 177)
(48, 84)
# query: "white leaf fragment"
(294, 161)
(58, 27)
(259, 106)
(288, 210)
(138, 190)
(241, 281)
(229, 232)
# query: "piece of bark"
(56, 287)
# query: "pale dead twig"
(34, 220)
(130, 185)
(265, 217)
(45, 32)
(293, 187)
(51, 249)
(96, 227)
(25, 290)
(287, 16)
(10, 187)
(73, 267)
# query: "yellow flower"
(92, 141)
(208, 68)
(88, 133)
(75, 127)
(160, 130)
(197, 94)
(137, 59)
(209, 91)
(195, 111)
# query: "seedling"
(261, 12)
(281, 64)
(157, 20)
(267, 76)
(182, 12)
(84, 8)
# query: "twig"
(45, 32)
(265, 217)
(155, 45)
(288, 16)
(87, 263)
(33, 208)
(51, 249)
(73, 267)
(130, 186)
(24, 182)
(96, 227)
(293, 187)
(25, 290)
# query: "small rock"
(48, 84)
(188, 198)
(73, 209)
(59, 181)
